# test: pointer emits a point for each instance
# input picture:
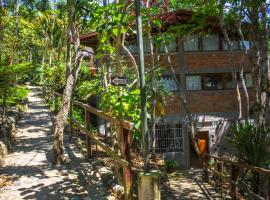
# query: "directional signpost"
(119, 80)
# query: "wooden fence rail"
(124, 129)
(232, 179)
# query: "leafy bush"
(252, 143)
(15, 95)
(170, 165)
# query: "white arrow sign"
(119, 80)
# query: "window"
(170, 43)
(210, 43)
(191, 43)
(169, 84)
(235, 45)
(146, 45)
(193, 82)
(213, 81)
(132, 46)
(248, 80)
(247, 45)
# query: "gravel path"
(29, 165)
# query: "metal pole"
(144, 128)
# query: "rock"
(111, 198)
(87, 198)
(109, 182)
(72, 176)
(119, 190)
(98, 163)
(3, 148)
(105, 174)
(64, 172)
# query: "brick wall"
(205, 102)
(204, 62)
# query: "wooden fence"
(232, 179)
(124, 135)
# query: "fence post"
(88, 139)
(205, 171)
(71, 120)
(233, 177)
(268, 188)
(219, 169)
(124, 144)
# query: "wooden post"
(234, 177)
(124, 138)
(268, 188)
(88, 139)
(149, 186)
(219, 169)
(71, 120)
(215, 177)
(205, 176)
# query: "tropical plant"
(252, 143)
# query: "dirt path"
(29, 165)
(188, 185)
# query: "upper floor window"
(193, 82)
(211, 81)
(170, 43)
(248, 79)
(234, 45)
(169, 83)
(132, 46)
(247, 45)
(210, 43)
(191, 43)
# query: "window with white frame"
(191, 43)
(193, 82)
(210, 43)
(169, 83)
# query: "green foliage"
(251, 142)
(54, 77)
(170, 165)
(15, 95)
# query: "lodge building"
(204, 66)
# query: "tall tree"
(58, 146)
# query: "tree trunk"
(234, 73)
(183, 103)
(58, 147)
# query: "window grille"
(191, 43)
(193, 82)
(210, 43)
(168, 138)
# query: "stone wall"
(7, 134)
